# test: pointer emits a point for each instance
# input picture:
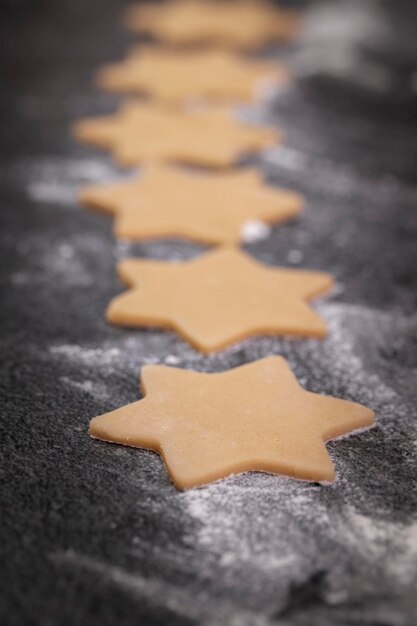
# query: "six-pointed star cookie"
(219, 298)
(255, 417)
(247, 24)
(213, 209)
(177, 77)
(143, 133)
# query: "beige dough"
(169, 202)
(245, 24)
(143, 133)
(219, 298)
(255, 417)
(178, 77)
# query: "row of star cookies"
(162, 201)
(178, 74)
(175, 78)
(223, 296)
(246, 297)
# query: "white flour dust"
(340, 351)
(390, 546)
(181, 601)
(93, 357)
(254, 230)
(92, 388)
(57, 181)
(332, 43)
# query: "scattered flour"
(93, 357)
(182, 601)
(342, 343)
(286, 157)
(19, 278)
(393, 545)
(254, 230)
(92, 388)
(57, 181)
(171, 359)
(295, 257)
(54, 192)
(333, 44)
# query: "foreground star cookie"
(219, 298)
(252, 418)
(170, 202)
(247, 24)
(143, 133)
(177, 77)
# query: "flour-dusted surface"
(94, 534)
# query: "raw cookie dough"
(219, 298)
(247, 24)
(255, 417)
(172, 202)
(143, 133)
(178, 77)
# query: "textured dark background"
(95, 534)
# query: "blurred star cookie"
(240, 24)
(219, 298)
(178, 77)
(143, 133)
(172, 202)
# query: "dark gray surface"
(96, 534)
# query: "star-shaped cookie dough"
(248, 24)
(255, 417)
(219, 298)
(178, 77)
(143, 133)
(171, 202)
